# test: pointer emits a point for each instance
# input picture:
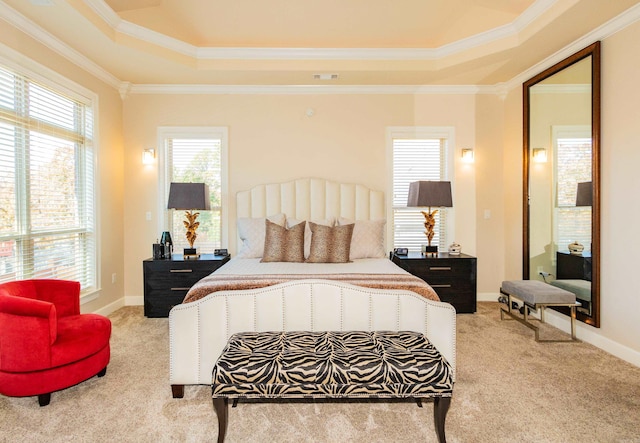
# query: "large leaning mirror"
(561, 179)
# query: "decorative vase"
(455, 249)
(167, 245)
(576, 248)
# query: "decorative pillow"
(282, 244)
(307, 231)
(368, 238)
(252, 231)
(330, 244)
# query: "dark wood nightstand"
(166, 282)
(453, 277)
(573, 266)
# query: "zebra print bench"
(331, 365)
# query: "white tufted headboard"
(311, 199)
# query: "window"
(416, 154)
(573, 165)
(47, 212)
(196, 155)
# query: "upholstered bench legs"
(440, 409)
(221, 405)
(537, 295)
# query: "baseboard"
(111, 307)
(134, 300)
(488, 296)
(588, 334)
(584, 332)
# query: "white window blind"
(196, 159)
(573, 160)
(416, 159)
(47, 214)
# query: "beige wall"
(512, 184)
(620, 195)
(110, 171)
(490, 188)
(271, 139)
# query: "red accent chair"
(45, 343)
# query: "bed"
(254, 293)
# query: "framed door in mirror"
(561, 178)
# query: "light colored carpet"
(509, 389)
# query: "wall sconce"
(539, 155)
(467, 155)
(148, 156)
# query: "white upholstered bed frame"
(198, 331)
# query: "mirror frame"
(594, 51)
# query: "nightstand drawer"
(449, 285)
(185, 266)
(162, 280)
(443, 268)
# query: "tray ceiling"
(286, 42)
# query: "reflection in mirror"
(561, 218)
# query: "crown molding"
(103, 10)
(25, 25)
(312, 89)
(613, 26)
(510, 29)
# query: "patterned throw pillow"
(330, 244)
(251, 232)
(307, 231)
(282, 244)
(368, 238)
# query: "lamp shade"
(430, 194)
(189, 196)
(584, 196)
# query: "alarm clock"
(401, 251)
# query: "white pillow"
(307, 231)
(252, 232)
(368, 238)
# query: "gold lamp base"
(427, 249)
(190, 253)
(191, 225)
(429, 223)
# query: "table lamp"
(428, 194)
(189, 197)
(584, 195)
